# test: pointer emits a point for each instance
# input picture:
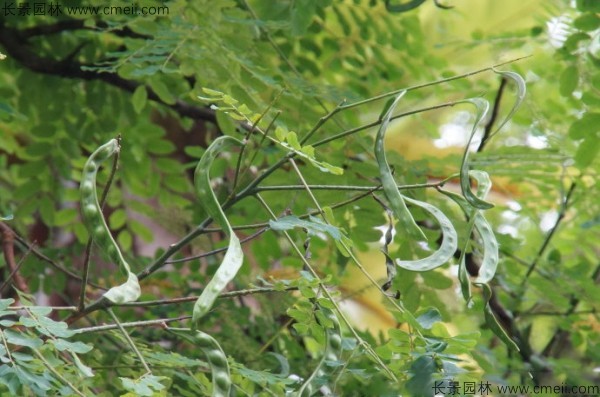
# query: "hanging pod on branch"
(96, 225)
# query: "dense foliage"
(353, 198)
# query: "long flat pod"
(447, 248)
(522, 91)
(465, 183)
(96, 225)
(234, 257)
(489, 262)
(393, 195)
(219, 367)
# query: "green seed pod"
(222, 380)
(219, 367)
(335, 341)
(217, 358)
(234, 256)
(97, 227)
(203, 340)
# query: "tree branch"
(66, 25)
(16, 45)
(8, 247)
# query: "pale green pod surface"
(234, 256)
(393, 195)
(489, 263)
(96, 225)
(521, 92)
(484, 183)
(219, 367)
(482, 108)
(447, 248)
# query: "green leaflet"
(465, 184)
(287, 139)
(305, 153)
(492, 321)
(234, 257)
(447, 248)
(6, 218)
(333, 349)
(395, 198)
(219, 367)
(96, 224)
(147, 385)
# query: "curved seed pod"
(522, 90)
(333, 350)
(490, 259)
(234, 257)
(465, 184)
(489, 264)
(395, 198)
(96, 225)
(447, 248)
(219, 367)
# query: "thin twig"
(230, 294)
(246, 140)
(341, 108)
(561, 214)
(326, 292)
(37, 253)
(132, 324)
(129, 341)
(351, 188)
(218, 250)
(56, 373)
(14, 273)
(398, 305)
(274, 337)
(378, 121)
(53, 308)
